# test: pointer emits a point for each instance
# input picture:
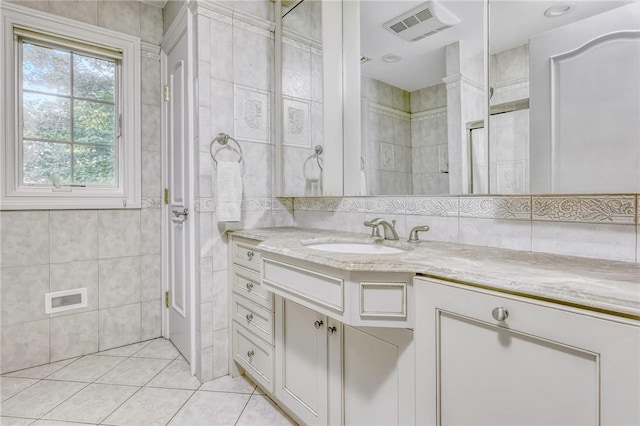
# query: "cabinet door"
(379, 376)
(543, 364)
(301, 361)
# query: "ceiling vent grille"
(422, 21)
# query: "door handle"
(181, 214)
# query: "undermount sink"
(355, 248)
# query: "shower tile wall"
(115, 254)
(235, 74)
(429, 140)
(387, 135)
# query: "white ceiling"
(423, 63)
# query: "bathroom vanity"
(435, 333)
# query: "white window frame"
(13, 196)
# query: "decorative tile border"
(510, 207)
(205, 205)
(328, 204)
(433, 206)
(281, 204)
(386, 205)
(618, 209)
(151, 203)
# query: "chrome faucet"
(388, 228)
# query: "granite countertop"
(591, 283)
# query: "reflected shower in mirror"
(422, 80)
(302, 93)
(578, 64)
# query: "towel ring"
(223, 139)
(317, 156)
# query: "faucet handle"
(413, 235)
(375, 230)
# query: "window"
(72, 137)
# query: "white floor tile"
(150, 406)
(211, 408)
(87, 368)
(92, 404)
(10, 386)
(177, 376)
(15, 421)
(37, 400)
(262, 411)
(125, 350)
(41, 371)
(240, 384)
(159, 348)
(134, 371)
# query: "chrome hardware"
(389, 228)
(500, 314)
(184, 213)
(250, 254)
(250, 354)
(223, 139)
(331, 330)
(413, 235)
(249, 317)
(375, 230)
(318, 324)
(249, 286)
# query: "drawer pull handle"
(250, 354)
(318, 324)
(249, 286)
(500, 314)
(331, 330)
(249, 317)
(250, 254)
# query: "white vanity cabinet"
(331, 373)
(492, 358)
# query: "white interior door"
(179, 222)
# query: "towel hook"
(223, 139)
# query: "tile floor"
(143, 384)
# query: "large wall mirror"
(393, 97)
(309, 98)
(562, 97)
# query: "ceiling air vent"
(422, 21)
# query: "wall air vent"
(420, 22)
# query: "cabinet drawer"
(254, 355)
(247, 283)
(321, 289)
(254, 317)
(245, 254)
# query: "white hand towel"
(229, 182)
(363, 183)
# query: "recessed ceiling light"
(559, 9)
(391, 57)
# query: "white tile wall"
(43, 251)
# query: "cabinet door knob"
(250, 254)
(249, 317)
(250, 354)
(318, 324)
(500, 314)
(331, 330)
(249, 286)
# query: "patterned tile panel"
(512, 207)
(614, 209)
(432, 206)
